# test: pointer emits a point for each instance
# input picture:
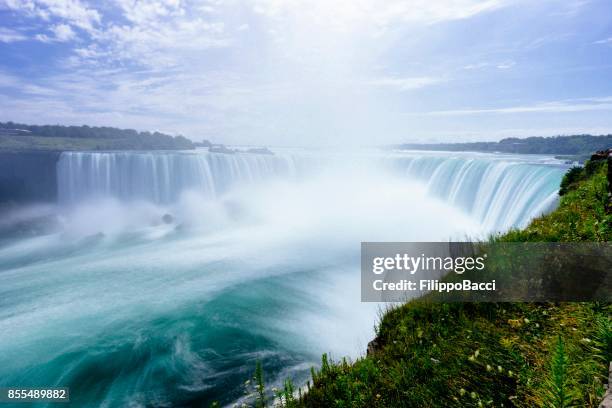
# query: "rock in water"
(221, 149)
(260, 150)
(168, 219)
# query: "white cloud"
(506, 65)
(9, 81)
(404, 84)
(61, 33)
(8, 36)
(483, 65)
(149, 11)
(144, 100)
(345, 14)
(166, 32)
(89, 53)
(478, 65)
(43, 38)
(168, 42)
(430, 12)
(576, 105)
(604, 41)
(72, 11)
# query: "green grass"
(46, 143)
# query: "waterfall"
(160, 177)
(499, 192)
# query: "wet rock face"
(602, 154)
(373, 346)
(27, 177)
(606, 155)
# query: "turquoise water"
(259, 261)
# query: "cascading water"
(499, 192)
(254, 264)
(160, 177)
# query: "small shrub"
(260, 402)
(603, 337)
(572, 176)
(559, 395)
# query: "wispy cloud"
(505, 65)
(344, 14)
(404, 84)
(9, 81)
(484, 65)
(161, 32)
(60, 33)
(8, 36)
(577, 105)
(72, 11)
(604, 41)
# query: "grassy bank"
(486, 354)
(37, 143)
(511, 354)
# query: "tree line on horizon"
(564, 145)
(107, 137)
(18, 135)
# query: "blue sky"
(290, 72)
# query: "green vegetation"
(260, 402)
(558, 382)
(430, 354)
(256, 390)
(570, 179)
(474, 355)
(18, 137)
(576, 147)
